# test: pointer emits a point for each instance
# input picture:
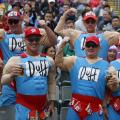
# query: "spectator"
(112, 53)
(106, 23)
(16, 6)
(29, 15)
(52, 7)
(116, 23)
(49, 51)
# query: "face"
(14, 24)
(70, 25)
(33, 44)
(112, 55)
(66, 7)
(16, 8)
(48, 17)
(27, 7)
(51, 52)
(91, 49)
(115, 22)
(90, 25)
(106, 16)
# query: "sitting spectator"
(112, 53)
(49, 51)
(116, 23)
(105, 24)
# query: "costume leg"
(72, 115)
(21, 112)
(95, 116)
(112, 114)
(8, 96)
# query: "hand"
(42, 23)
(51, 107)
(71, 11)
(113, 83)
(65, 40)
(16, 70)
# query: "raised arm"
(62, 31)
(112, 37)
(49, 37)
(65, 63)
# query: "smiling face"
(33, 44)
(91, 49)
(51, 52)
(112, 54)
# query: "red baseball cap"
(93, 39)
(89, 15)
(13, 15)
(32, 31)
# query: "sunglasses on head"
(90, 22)
(91, 44)
(34, 38)
(13, 21)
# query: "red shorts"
(85, 105)
(37, 102)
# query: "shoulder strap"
(23, 55)
(43, 54)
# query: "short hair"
(85, 11)
(106, 5)
(114, 17)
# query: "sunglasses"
(13, 21)
(33, 38)
(93, 45)
(92, 22)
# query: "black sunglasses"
(90, 22)
(34, 38)
(91, 44)
(13, 21)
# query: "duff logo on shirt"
(87, 73)
(17, 44)
(37, 68)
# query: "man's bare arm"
(62, 31)
(11, 70)
(65, 63)
(112, 37)
(52, 81)
(49, 37)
